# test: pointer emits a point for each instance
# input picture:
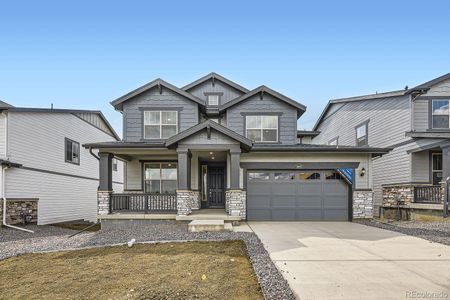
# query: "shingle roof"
(215, 76)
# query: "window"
(262, 128)
(160, 178)
(361, 134)
(334, 141)
(436, 167)
(258, 176)
(309, 176)
(332, 176)
(213, 100)
(285, 176)
(440, 114)
(114, 164)
(72, 150)
(160, 124)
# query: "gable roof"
(264, 89)
(155, 83)
(354, 99)
(424, 87)
(215, 76)
(68, 111)
(245, 142)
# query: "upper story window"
(361, 134)
(440, 113)
(160, 124)
(213, 99)
(72, 150)
(262, 128)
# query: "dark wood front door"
(216, 186)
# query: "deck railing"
(146, 203)
(428, 194)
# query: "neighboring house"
(216, 144)
(46, 172)
(414, 122)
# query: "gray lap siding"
(287, 116)
(188, 115)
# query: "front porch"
(185, 178)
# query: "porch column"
(235, 169)
(105, 183)
(445, 162)
(184, 169)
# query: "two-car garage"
(297, 195)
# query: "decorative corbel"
(160, 88)
(261, 95)
(213, 80)
(208, 131)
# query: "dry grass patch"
(203, 270)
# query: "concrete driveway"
(343, 260)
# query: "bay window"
(262, 128)
(160, 124)
(160, 178)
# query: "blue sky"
(83, 54)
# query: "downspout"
(4, 204)
(93, 154)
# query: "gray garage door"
(296, 195)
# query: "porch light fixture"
(362, 172)
(211, 153)
(212, 157)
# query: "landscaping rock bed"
(50, 238)
(438, 232)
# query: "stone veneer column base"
(195, 200)
(394, 193)
(184, 202)
(235, 203)
(17, 208)
(103, 198)
(362, 204)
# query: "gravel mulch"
(438, 232)
(51, 238)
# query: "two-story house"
(216, 144)
(46, 176)
(415, 123)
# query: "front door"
(216, 186)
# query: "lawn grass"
(191, 270)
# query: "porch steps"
(209, 225)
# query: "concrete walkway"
(343, 260)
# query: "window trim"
(263, 115)
(432, 171)
(366, 124)
(160, 110)
(431, 114)
(65, 151)
(144, 163)
(219, 100)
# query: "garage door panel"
(283, 215)
(259, 202)
(309, 196)
(283, 188)
(309, 214)
(283, 202)
(312, 201)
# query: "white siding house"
(36, 139)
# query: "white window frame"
(262, 128)
(115, 164)
(160, 174)
(214, 95)
(364, 137)
(433, 114)
(160, 123)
